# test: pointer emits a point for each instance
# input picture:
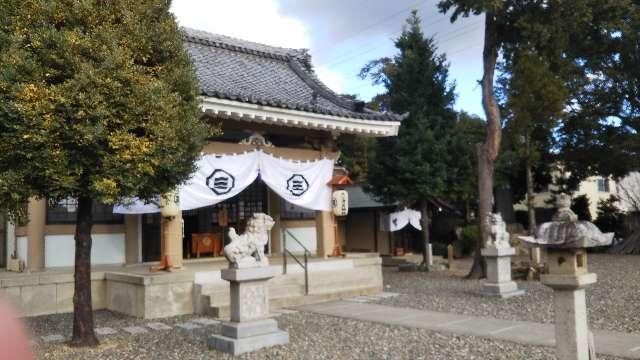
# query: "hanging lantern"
(340, 203)
(169, 204)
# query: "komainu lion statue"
(498, 235)
(247, 250)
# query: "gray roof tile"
(234, 69)
(359, 199)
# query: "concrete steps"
(215, 300)
(275, 303)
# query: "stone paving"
(522, 332)
(52, 338)
(158, 326)
(105, 331)
(188, 325)
(134, 330)
(138, 330)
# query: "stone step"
(217, 303)
(275, 292)
(275, 303)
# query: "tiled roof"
(358, 199)
(239, 70)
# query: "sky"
(344, 35)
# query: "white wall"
(59, 250)
(22, 249)
(306, 235)
(11, 240)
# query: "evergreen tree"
(610, 218)
(98, 102)
(422, 162)
(535, 98)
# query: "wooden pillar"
(131, 238)
(325, 233)
(37, 215)
(174, 241)
(276, 230)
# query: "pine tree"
(420, 164)
(98, 102)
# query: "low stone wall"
(168, 294)
(150, 296)
(42, 294)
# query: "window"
(603, 185)
(64, 212)
(289, 211)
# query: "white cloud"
(259, 21)
(331, 78)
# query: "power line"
(437, 41)
(373, 26)
(385, 19)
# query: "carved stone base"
(499, 281)
(250, 328)
(239, 338)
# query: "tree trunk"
(530, 197)
(424, 210)
(83, 333)
(488, 150)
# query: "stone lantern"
(566, 239)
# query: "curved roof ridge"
(250, 47)
(309, 76)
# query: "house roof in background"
(238, 70)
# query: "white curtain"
(220, 177)
(304, 183)
(399, 219)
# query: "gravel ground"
(311, 337)
(613, 300)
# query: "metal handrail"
(306, 254)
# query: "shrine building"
(271, 107)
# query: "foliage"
(533, 99)
(444, 226)
(356, 153)
(469, 235)
(580, 206)
(610, 217)
(603, 117)
(98, 101)
(471, 129)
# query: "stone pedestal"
(568, 276)
(499, 281)
(250, 327)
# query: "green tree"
(471, 129)
(98, 102)
(610, 218)
(420, 163)
(603, 122)
(535, 98)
